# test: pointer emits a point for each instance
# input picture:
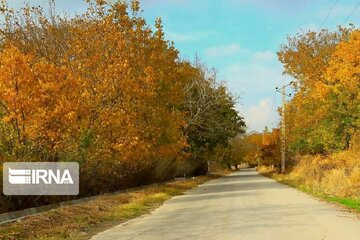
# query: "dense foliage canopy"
(108, 91)
(323, 116)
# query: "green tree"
(212, 119)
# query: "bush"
(337, 174)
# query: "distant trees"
(252, 148)
(108, 91)
(212, 120)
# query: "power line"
(352, 11)
(327, 16)
(271, 109)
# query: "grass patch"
(83, 220)
(348, 202)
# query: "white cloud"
(180, 37)
(264, 56)
(257, 81)
(254, 76)
(260, 115)
(224, 50)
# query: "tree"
(310, 126)
(107, 90)
(343, 85)
(212, 120)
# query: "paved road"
(243, 205)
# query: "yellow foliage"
(337, 174)
(102, 88)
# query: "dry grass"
(83, 220)
(335, 175)
(334, 178)
(266, 170)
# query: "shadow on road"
(244, 183)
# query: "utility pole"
(283, 126)
(283, 138)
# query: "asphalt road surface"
(243, 205)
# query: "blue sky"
(240, 39)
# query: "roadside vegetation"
(350, 202)
(83, 220)
(322, 118)
(106, 90)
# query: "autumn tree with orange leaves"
(321, 118)
(323, 115)
(108, 91)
